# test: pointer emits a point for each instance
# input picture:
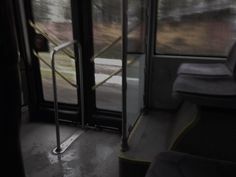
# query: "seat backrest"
(231, 62)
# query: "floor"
(150, 136)
(156, 132)
(93, 154)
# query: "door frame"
(125, 132)
(41, 110)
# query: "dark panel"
(81, 12)
(130, 168)
(10, 94)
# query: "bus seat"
(175, 164)
(216, 92)
(208, 84)
(213, 69)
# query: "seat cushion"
(174, 164)
(207, 70)
(216, 92)
(205, 86)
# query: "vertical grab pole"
(124, 145)
(81, 85)
(58, 149)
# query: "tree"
(110, 10)
(41, 10)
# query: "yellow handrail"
(113, 74)
(57, 72)
(69, 53)
(103, 50)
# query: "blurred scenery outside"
(107, 32)
(53, 17)
(189, 27)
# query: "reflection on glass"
(203, 27)
(54, 18)
(107, 32)
(106, 23)
(136, 26)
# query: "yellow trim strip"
(184, 130)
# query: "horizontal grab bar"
(50, 38)
(64, 45)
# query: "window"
(53, 17)
(190, 27)
(107, 53)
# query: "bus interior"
(118, 88)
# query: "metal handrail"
(60, 148)
(53, 41)
(57, 72)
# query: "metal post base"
(66, 144)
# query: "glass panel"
(107, 32)
(54, 18)
(135, 86)
(135, 62)
(203, 27)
